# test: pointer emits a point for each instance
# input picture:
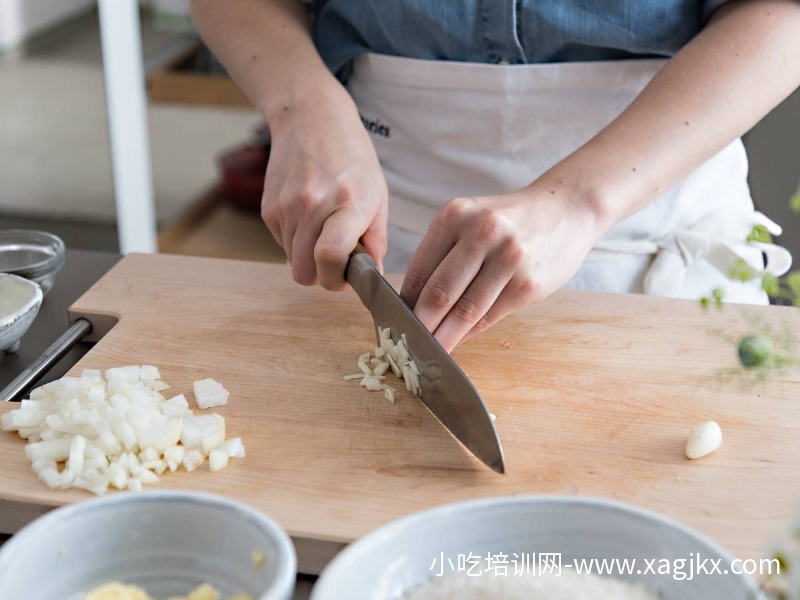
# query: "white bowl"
(165, 542)
(394, 559)
(20, 300)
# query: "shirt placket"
(500, 29)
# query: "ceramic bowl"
(166, 542)
(389, 562)
(20, 300)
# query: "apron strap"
(678, 252)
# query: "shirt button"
(504, 61)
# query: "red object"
(243, 171)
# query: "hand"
(484, 258)
(324, 190)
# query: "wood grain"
(594, 395)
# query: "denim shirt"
(506, 31)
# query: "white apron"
(446, 129)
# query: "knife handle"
(359, 249)
(360, 260)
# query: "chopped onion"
(233, 447)
(116, 429)
(217, 460)
(205, 432)
(192, 459)
(209, 393)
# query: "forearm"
(267, 48)
(734, 72)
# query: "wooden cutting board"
(594, 395)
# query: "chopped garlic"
(388, 355)
(364, 368)
(382, 367)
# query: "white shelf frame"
(126, 101)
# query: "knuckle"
(327, 254)
(308, 197)
(530, 288)
(345, 195)
(466, 311)
(270, 218)
(456, 209)
(438, 295)
(493, 225)
(511, 251)
(483, 323)
(413, 281)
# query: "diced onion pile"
(388, 356)
(92, 432)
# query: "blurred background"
(207, 145)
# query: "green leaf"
(759, 233)
(704, 302)
(718, 294)
(793, 282)
(741, 271)
(771, 285)
(794, 201)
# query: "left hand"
(486, 257)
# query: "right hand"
(324, 191)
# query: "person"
(522, 145)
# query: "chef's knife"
(445, 390)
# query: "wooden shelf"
(214, 228)
(169, 83)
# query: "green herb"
(793, 283)
(794, 201)
(759, 233)
(741, 271)
(718, 294)
(771, 285)
(755, 351)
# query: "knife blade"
(445, 390)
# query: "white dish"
(389, 562)
(20, 300)
(166, 542)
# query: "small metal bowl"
(34, 255)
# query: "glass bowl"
(34, 255)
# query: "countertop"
(81, 270)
